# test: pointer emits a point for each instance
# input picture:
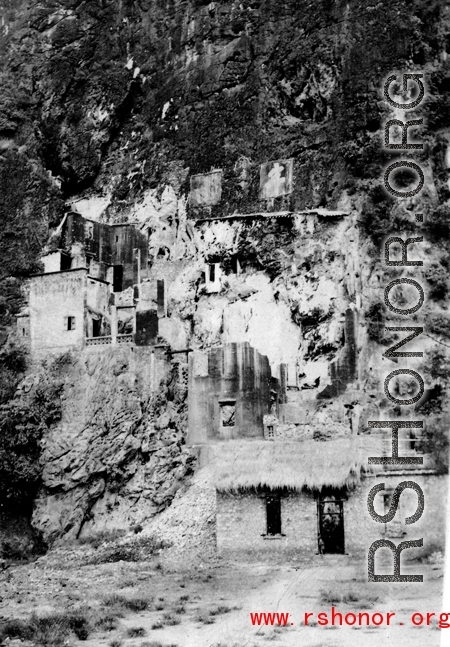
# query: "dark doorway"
(65, 262)
(146, 327)
(273, 512)
(330, 511)
(117, 278)
(96, 328)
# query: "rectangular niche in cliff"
(206, 189)
(227, 418)
(275, 179)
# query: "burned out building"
(231, 389)
(92, 292)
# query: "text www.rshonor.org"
(363, 618)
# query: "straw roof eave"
(309, 465)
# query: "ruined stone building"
(90, 292)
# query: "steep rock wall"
(117, 457)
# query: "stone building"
(92, 290)
(308, 498)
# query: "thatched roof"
(249, 464)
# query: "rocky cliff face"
(117, 456)
(112, 107)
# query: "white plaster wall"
(54, 297)
(52, 262)
(97, 296)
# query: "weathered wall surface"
(241, 524)
(241, 521)
(234, 374)
(361, 530)
(48, 325)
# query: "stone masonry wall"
(241, 520)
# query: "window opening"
(228, 414)
(70, 323)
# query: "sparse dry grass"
(115, 643)
(170, 620)
(50, 630)
(158, 625)
(121, 602)
(136, 632)
(106, 622)
(205, 618)
(335, 595)
(220, 610)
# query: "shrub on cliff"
(375, 315)
(378, 219)
(12, 367)
(21, 428)
(438, 324)
(435, 442)
(437, 276)
(437, 226)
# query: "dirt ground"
(207, 603)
